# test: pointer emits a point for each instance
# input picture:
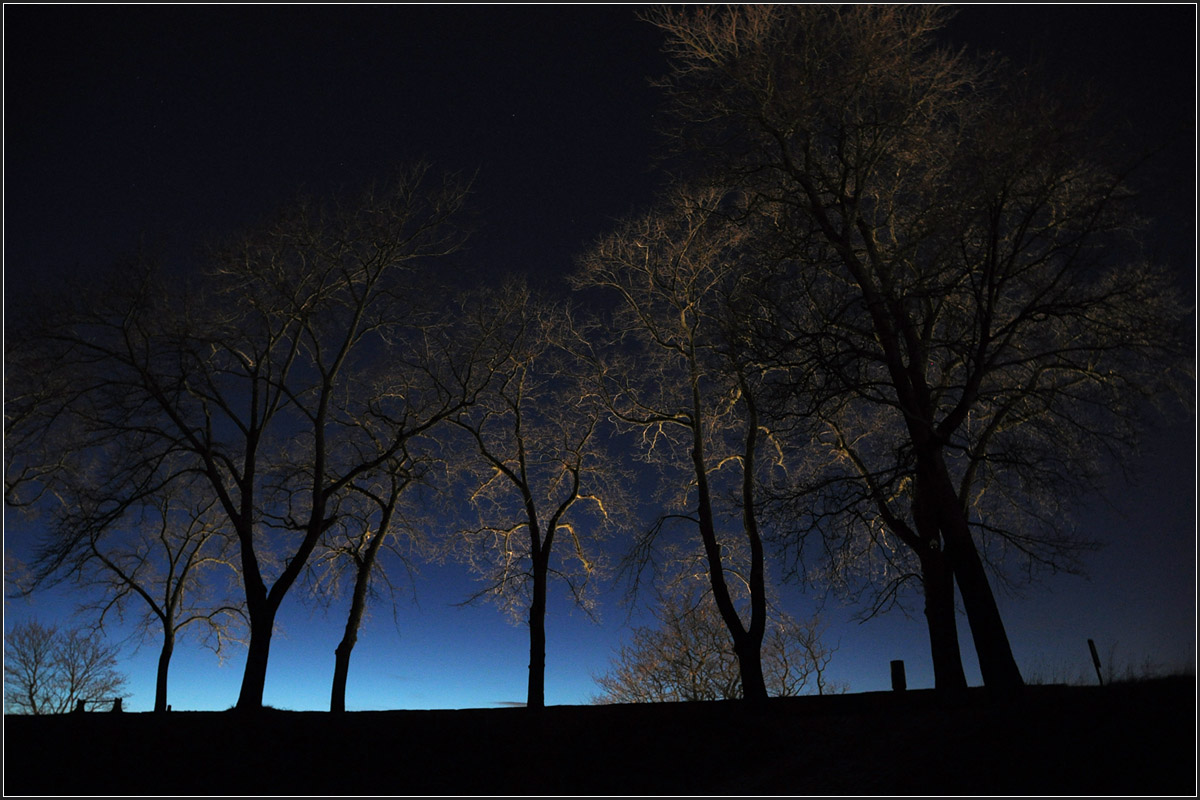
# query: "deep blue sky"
(185, 123)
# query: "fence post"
(898, 682)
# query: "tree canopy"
(958, 303)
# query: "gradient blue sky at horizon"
(187, 123)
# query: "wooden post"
(898, 682)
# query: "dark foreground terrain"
(1124, 739)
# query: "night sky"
(175, 126)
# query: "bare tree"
(677, 374)
(370, 522)
(967, 251)
(688, 656)
(48, 671)
(270, 377)
(165, 561)
(536, 471)
(855, 500)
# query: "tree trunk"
(537, 637)
(754, 685)
(749, 664)
(341, 668)
(358, 605)
(164, 663)
(941, 619)
(996, 662)
(938, 582)
(254, 679)
(341, 655)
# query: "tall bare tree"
(678, 374)
(268, 376)
(370, 523)
(542, 487)
(967, 249)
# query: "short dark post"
(898, 682)
(116, 704)
(80, 706)
(1096, 660)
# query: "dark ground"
(1124, 739)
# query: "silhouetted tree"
(965, 254)
(688, 656)
(676, 372)
(369, 523)
(165, 560)
(49, 671)
(535, 469)
(279, 377)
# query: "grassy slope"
(1124, 739)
